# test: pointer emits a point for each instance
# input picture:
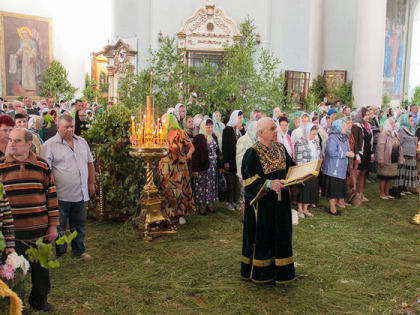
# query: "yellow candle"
(133, 128)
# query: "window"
(195, 58)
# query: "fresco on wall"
(395, 45)
(26, 52)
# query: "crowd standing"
(48, 174)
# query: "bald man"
(267, 256)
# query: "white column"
(368, 65)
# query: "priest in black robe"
(267, 255)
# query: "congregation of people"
(354, 146)
(48, 173)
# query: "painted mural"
(395, 45)
(26, 52)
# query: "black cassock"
(267, 235)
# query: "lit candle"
(151, 79)
(133, 128)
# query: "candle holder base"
(151, 221)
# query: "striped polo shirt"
(6, 221)
(31, 192)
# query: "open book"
(300, 173)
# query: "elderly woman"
(218, 127)
(180, 112)
(407, 172)
(307, 149)
(335, 165)
(388, 155)
(283, 136)
(80, 122)
(363, 141)
(173, 172)
(231, 134)
(276, 113)
(205, 162)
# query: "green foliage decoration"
(121, 176)
(43, 253)
(248, 78)
(318, 89)
(89, 92)
(416, 96)
(343, 93)
(55, 83)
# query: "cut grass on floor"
(367, 260)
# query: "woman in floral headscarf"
(173, 172)
(205, 163)
(407, 172)
(180, 112)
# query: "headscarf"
(307, 131)
(197, 121)
(35, 123)
(364, 124)
(404, 122)
(301, 118)
(252, 131)
(323, 123)
(292, 125)
(218, 126)
(48, 119)
(337, 129)
(170, 110)
(331, 112)
(172, 122)
(233, 120)
(189, 131)
(274, 113)
(353, 115)
(388, 127)
(176, 110)
(203, 130)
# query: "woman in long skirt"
(307, 149)
(204, 165)
(407, 172)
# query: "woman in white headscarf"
(283, 136)
(388, 154)
(276, 113)
(307, 149)
(180, 112)
(298, 133)
(243, 144)
(231, 134)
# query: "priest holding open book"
(267, 255)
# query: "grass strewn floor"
(367, 260)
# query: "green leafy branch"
(43, 253)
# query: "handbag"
(222, 183)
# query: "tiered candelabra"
(149, 143)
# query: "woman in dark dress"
(231, 134)
(80, 122)
(363, 141)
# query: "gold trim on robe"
(250, 180)
(284, 261)
(258, 196)
(263, 263)
(246, 260)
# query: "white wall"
(339, 35)
(79, 28)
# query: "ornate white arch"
(208, 29)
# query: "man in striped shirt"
(30, 188)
